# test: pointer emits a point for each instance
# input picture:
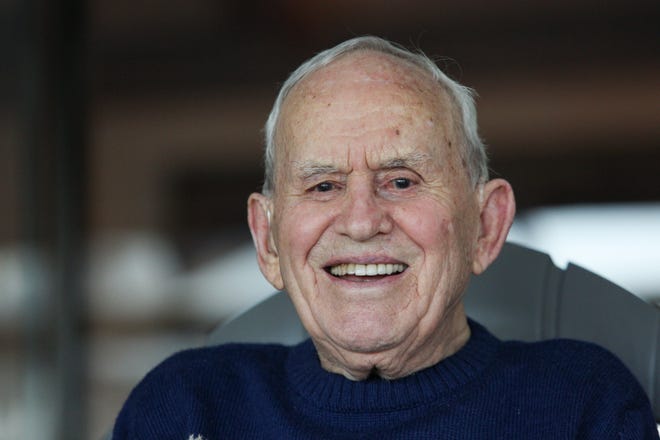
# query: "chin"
(362, 338)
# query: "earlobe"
(259, 220)
(497, 210)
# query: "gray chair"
(522, 296)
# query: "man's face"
(374, 221)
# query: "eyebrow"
(306, 170)
(414, 160)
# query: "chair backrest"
(522, 296)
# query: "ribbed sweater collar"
(431, 385)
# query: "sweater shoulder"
(189, 382)
(207, 369)
(227, 358)
(572, 363)
(584, 383)
(568, 352)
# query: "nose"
(363, 214)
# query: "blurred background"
(130, 137)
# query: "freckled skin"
(352, 120)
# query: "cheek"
(437, 232)
(300, 229)
(426, 225)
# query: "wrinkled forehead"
(356, 84)
(368, 68)
(370, 94)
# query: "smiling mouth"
(366, 270)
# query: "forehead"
(365, 98)
(367, 70)
(367, 65)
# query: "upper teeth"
(366, 270)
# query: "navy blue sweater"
(489, 389)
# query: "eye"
(324, 187)
(401, 183)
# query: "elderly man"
(376, 209)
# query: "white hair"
(473, 150)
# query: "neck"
(411, 355)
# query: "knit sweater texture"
(489, 389)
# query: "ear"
(497, 209)
(259, 220)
